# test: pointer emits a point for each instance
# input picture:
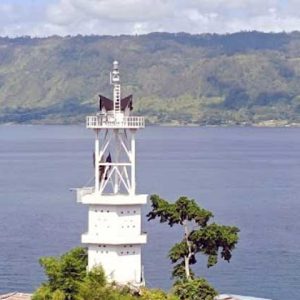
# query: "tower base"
(121, 263)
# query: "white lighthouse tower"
(114, 236)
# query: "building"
(114, 238)
(16, 296)
(237, 297)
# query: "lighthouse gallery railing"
(108, 122)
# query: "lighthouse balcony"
(87, 195)
(117, 121)
(88, 238)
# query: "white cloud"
(63, 17)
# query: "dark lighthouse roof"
(108, 104)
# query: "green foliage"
(213, 237)
(68, 280)
(211, 240)
(177, 213)
(64, 275)
(240, 78)
(100, 293)
(196, 289)
(155, 294)
(58, 295)
(43, 293)
(93, 286)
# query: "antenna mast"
(115, 81)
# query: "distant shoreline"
(240, 79)
(263, 124)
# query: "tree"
(199, 236)
(156, 294)
(68, 280)
(196, 289)
(64, 274)
(93, 285)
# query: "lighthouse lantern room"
(114, 236)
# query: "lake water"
(249, 177)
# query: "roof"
(16, 296)
(237, 297)
(108, 104)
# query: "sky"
(114, 17)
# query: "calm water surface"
(249, 177)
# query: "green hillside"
(209, 79)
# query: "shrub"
(195, 289)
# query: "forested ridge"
(209, 79)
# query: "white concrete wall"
(129, 220)
(102, 220)
(114, 220)
(129, 264)
(108, 224)
(121, 263)
(105, 256)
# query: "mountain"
(208, 79)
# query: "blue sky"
(71, 17)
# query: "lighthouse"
(114, 237)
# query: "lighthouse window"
(101, 210)
(104, 246)
(127, 252)
(122, 252)
(96, 210)
(130, 246)
(134, 211)
(122, 212)
(108, 211)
